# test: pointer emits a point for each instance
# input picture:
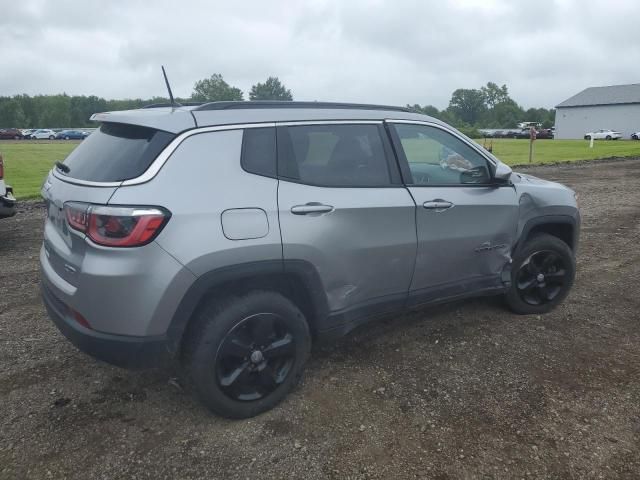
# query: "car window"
(436, 157)
(333, 155)
(259, 151)
(116, 152)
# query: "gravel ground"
(467, 390)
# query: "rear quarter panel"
(202, 179)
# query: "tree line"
(487, 107)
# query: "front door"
(466, 225)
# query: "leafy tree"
(215, 89)
(272, 89)
(467, 105)
(11, 114)
(426, 110)
(494, 95)
(505, 115)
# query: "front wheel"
(245, 354)
(51, 137)
(587, 137)
(542, 274)
(608, 137)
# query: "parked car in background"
(603, 134)
(10, 133)
(545, 133)
(72, 135)
(43, 134)
(7, 200)
(542, 134)
(26, 133)
(635, 136)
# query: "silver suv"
(228, 236)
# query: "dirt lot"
(460, 391)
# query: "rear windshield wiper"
(62, 167)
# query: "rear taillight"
(116, 226)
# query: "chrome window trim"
(161, 159)
(473, 145)
(328, 122)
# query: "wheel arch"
(297, 280)
(564, 227)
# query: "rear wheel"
(51, 137)
(587, 137)
(608, 137)
(245, 354)
(66, 137)
(542, 275)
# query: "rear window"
(116, 152)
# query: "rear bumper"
(7, 204)
(120, 350)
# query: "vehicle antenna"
(166, 80)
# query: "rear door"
(344, 210)
(466, 224)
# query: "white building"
(616, 107)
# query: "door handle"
(311, 207)
(437, 205)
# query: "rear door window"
(116, 152)
(259, 151)
(333, 155)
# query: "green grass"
(27, 163)
(516, 152)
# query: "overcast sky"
(376, 51)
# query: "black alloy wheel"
(542, 274)
(255, 357)
(541, 278)
(244, 354)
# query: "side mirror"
(503, 173)
(475, 175)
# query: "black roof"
(238, 105)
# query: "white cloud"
(378, 51)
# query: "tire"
(608, 137)
(544, 255)
(66, 138)
(17, 137)
(587, 137)
(51, 137)
(226, 358)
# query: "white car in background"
(603, 135)
(635, 136)
(44, 133)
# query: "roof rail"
(182, 104)
(238, 105)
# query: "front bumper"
(120, 350)
(7, 204)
